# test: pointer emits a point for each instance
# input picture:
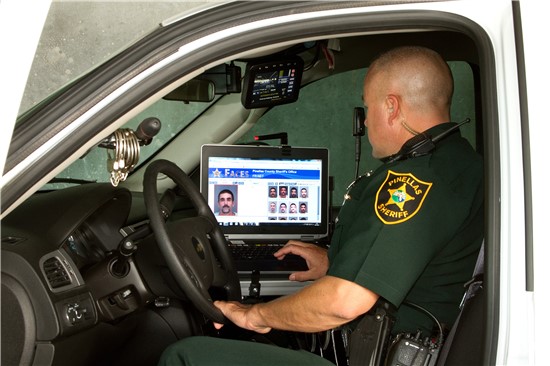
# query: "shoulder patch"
(400, 197)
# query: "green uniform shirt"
(412, 231)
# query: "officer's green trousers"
(206, 351)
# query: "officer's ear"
(392, 106)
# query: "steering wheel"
(194, 248)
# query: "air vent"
(60, 271)
(56, 273)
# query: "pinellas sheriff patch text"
(400, 197)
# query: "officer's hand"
(316, 259)
(242, 315)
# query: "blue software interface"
(266, 190)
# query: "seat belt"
(472, 288)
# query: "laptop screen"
(267, 192)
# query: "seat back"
(464, 344)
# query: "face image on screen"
(276, 193)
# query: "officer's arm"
(325, 304)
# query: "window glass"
(174, 117)
(80, 35)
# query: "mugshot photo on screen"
(272, 207)
(283, 191)
(226, 200)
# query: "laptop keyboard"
(256, 251)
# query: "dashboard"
(51, 245)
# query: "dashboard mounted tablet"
(271, 83)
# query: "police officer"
(410, 230)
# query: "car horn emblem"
(199, 248)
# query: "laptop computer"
(264, 196)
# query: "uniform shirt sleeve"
(387, 257)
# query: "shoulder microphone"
(422, 144)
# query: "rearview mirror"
(222, 79)
(195, 90)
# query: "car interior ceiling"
(121, 340)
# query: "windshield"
(174, 116)
(77, 37)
